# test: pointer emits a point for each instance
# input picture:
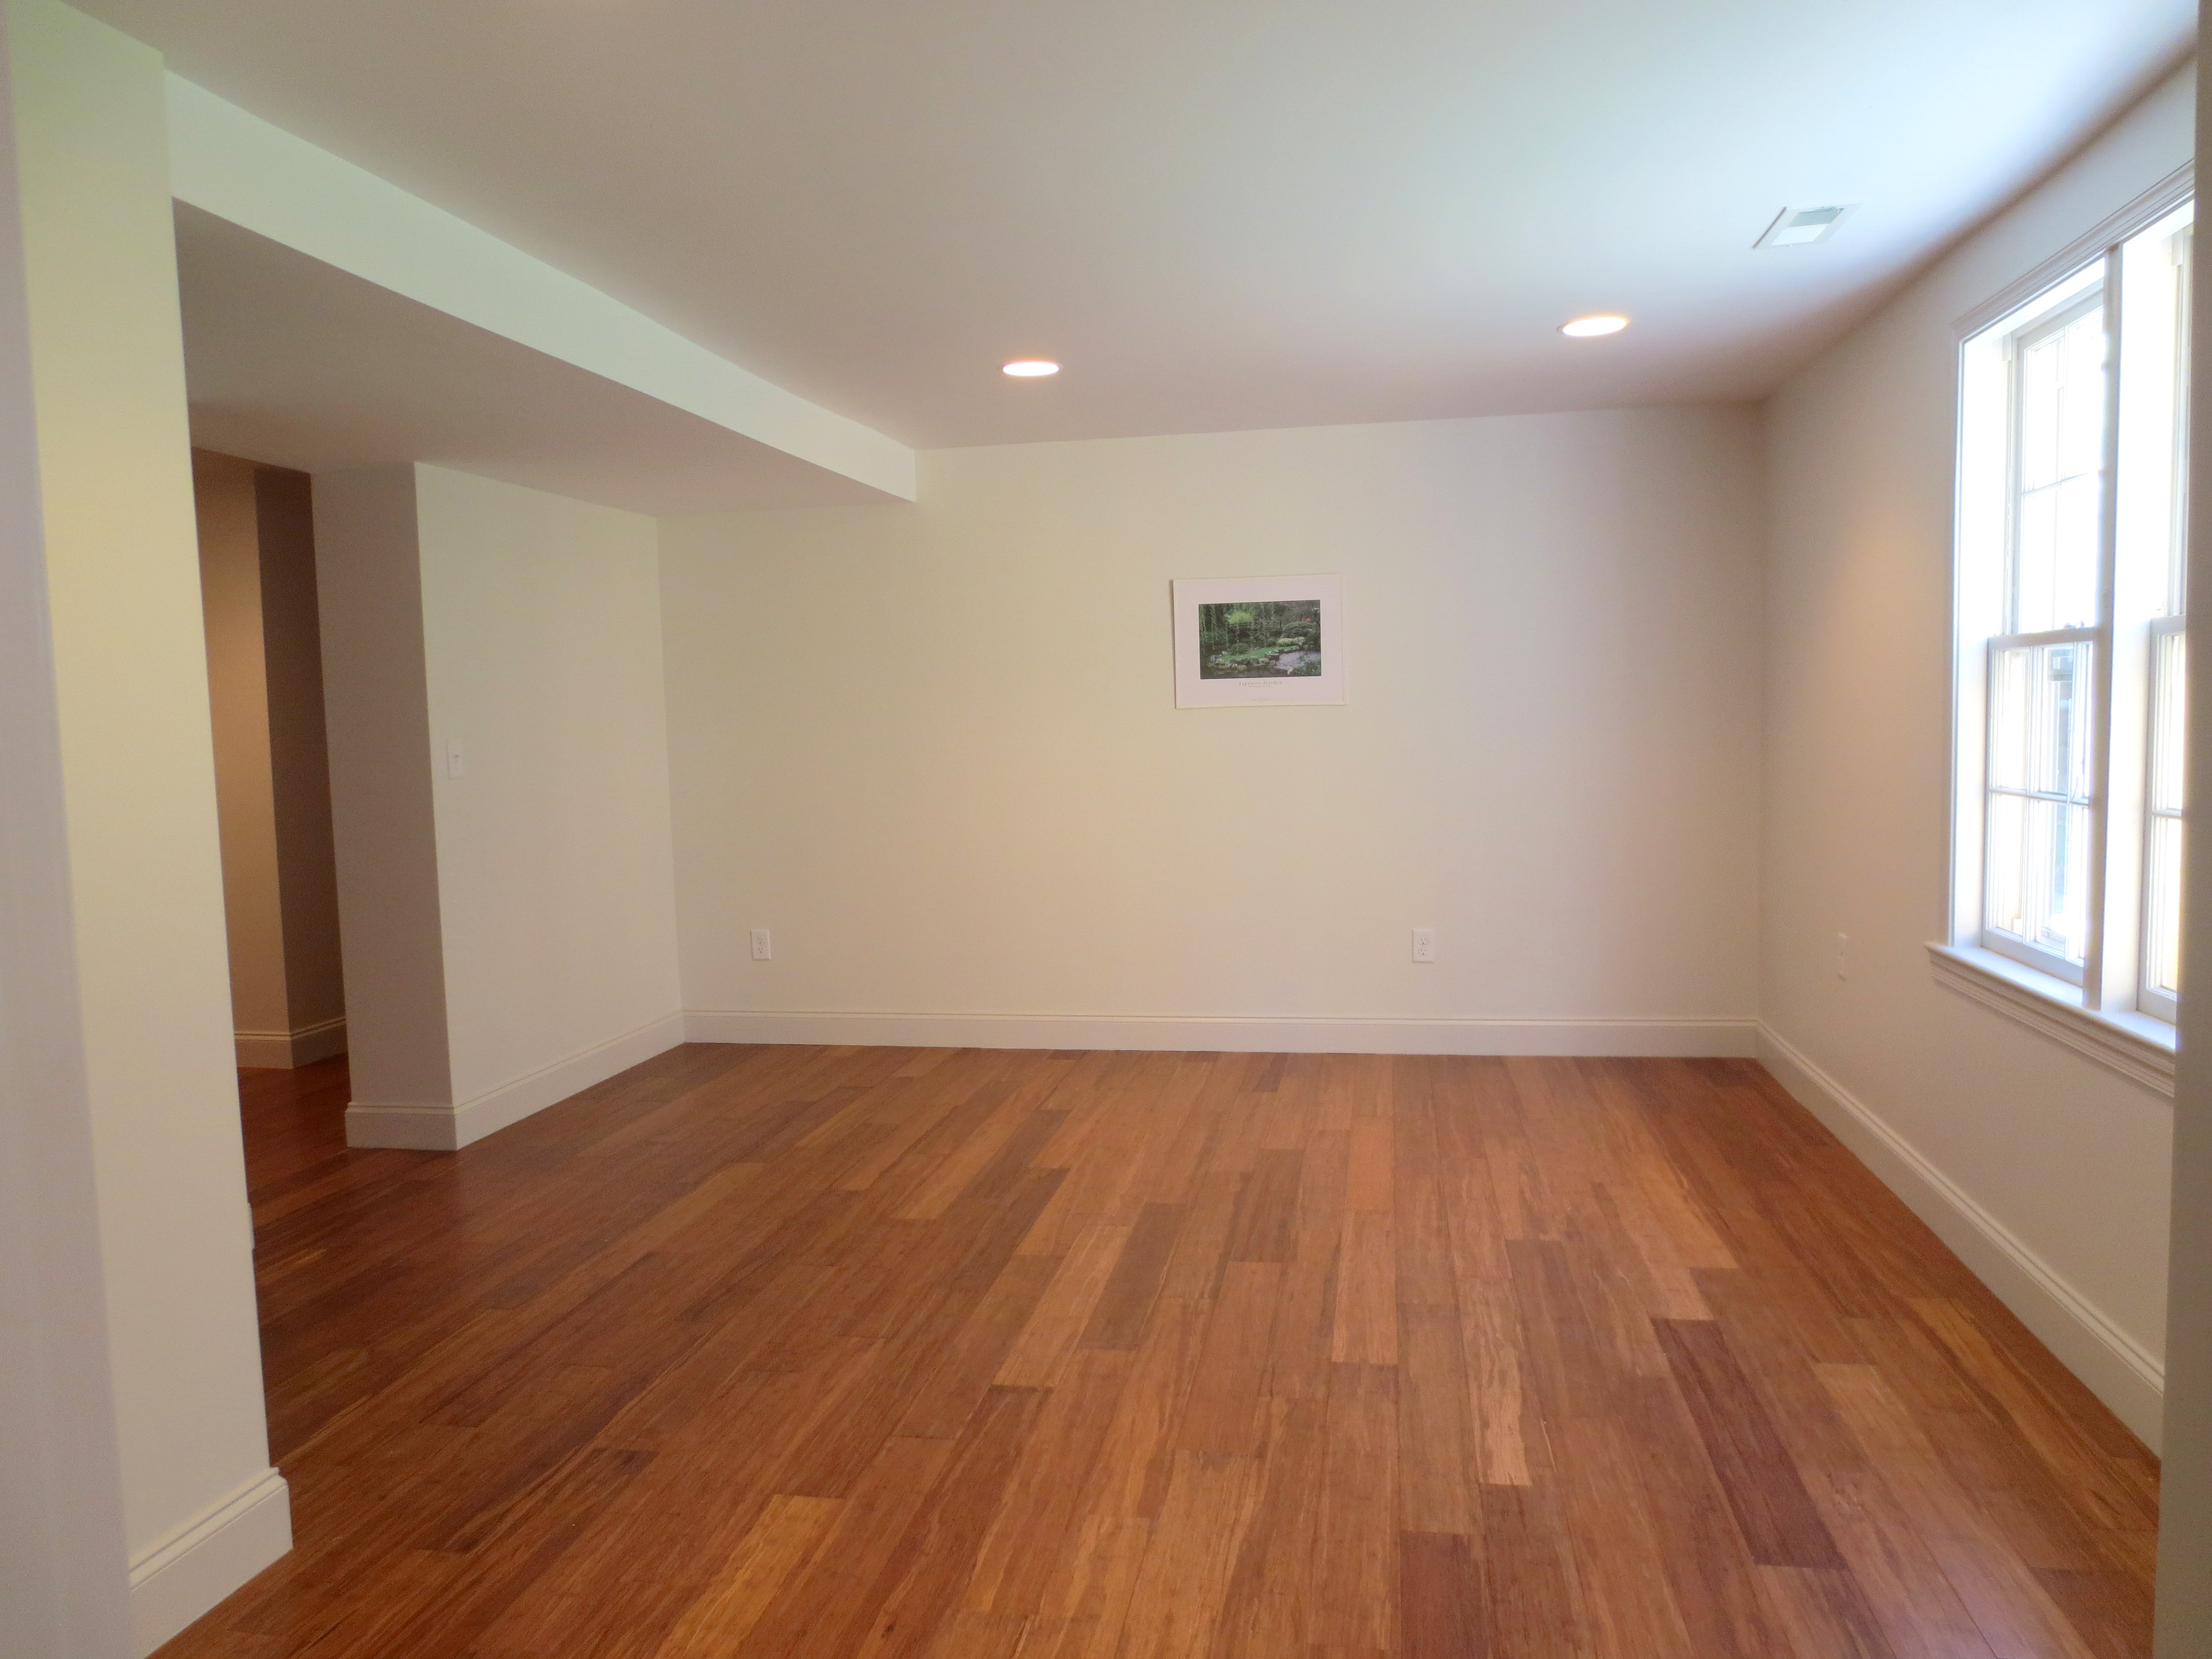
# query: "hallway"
(842, 1351)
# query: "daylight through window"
(2072, 613)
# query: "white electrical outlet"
(763, 950)
(1843, 956)
(457, 759)
(1425, 944)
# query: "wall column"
(2184, 1544)
(63, 1567)
(202, 1509)
(499, 788)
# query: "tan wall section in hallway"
(272, 767)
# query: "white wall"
(202, 1510)
(935, 749)
(542, 630)
(2047, 1171)
(510, 934)
(63, 1564)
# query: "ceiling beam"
(238, 166)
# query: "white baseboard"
(1202, 1034)
(441, 1128)
(286, 1050)
(207, 1558)
(2116, 1368)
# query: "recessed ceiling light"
(1031, 369)
(1587, 328)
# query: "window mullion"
(2100, 665)
(2157, 905)
(2048, 636)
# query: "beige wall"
(2066, 1157)
(203, 1509)
(272, 779)
(238, 696)
(510, 932)
(934, 748)
(299, 756)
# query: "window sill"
(2135, 1045)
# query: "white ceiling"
(291, 360)
(1218, 214)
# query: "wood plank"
(1084, 1617)
(1823, 1613)
(1443, 1605)
(2013, 1610)
(1177, 1604)
(1366, 1326)
(1370, 1166)
(1532, 1593)
(786, 1538)
(1355, 1566)
(1044, 1503)
(1436, 1422)
(1266, 1227)
(940, 1406)
(939, 1548)
(2081, 1470)
(1763, 1486)
(823, 1610)
(1270, 1607)
(1125, 1305)
(1222, 1410)
(1042, 1351)
(1709, 1568)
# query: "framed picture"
(1259, 639)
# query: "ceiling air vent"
(1803, 227)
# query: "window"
(2072, 607)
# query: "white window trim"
(2134, 1044)
(2154, 1003)
(2145, 210)
(1993, 937)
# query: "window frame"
(2174, 620)
(2100, 297)
(2016, 346)
(2111, 988)
(2149, 999)
(2017, 946)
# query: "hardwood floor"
(833, 1352)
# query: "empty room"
(1063, 831)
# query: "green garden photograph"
(1259, 639)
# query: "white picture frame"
(1222, 659)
